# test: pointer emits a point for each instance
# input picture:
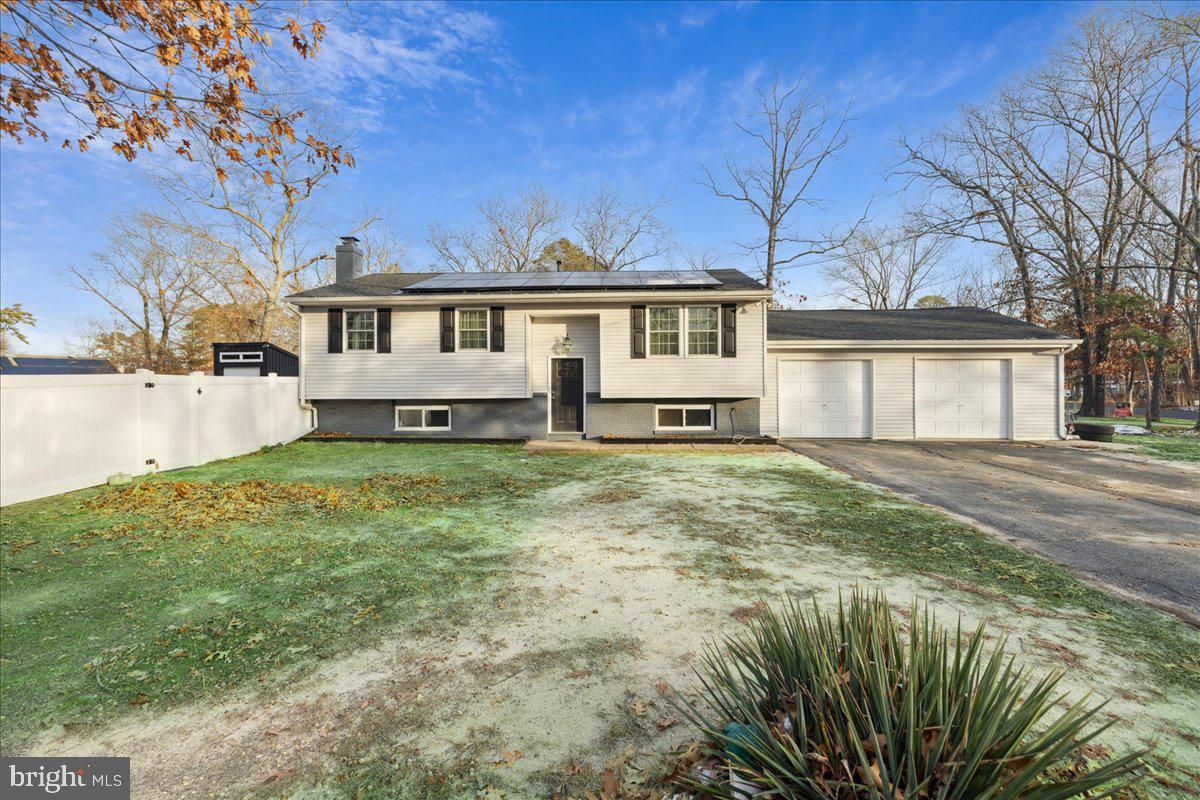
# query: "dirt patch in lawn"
(561, 673)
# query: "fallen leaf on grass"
(610, 785)
(278, 776)
(638, 707)
(666, 721)
(578, 673)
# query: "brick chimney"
(349, 260)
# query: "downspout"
(1062, 391)
(304, 404)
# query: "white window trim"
(678, 332)
(684, 310)
(240, 356)
(423, 409)
(487, 330)
(346, 331)
(709, 407)
(687, 349)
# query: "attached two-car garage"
(955, 373)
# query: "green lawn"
(171, 590)
(251, 571)
(1171, 439)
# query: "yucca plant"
(849, 706)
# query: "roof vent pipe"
(349, 260)
(558, 265)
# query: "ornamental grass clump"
(852, 705)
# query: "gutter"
(1051, 345)
(483, 298)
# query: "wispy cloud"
(374, 52)
(888, 77)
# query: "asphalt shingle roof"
(386, 284)
(933, 324)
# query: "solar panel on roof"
(547, 279)
(550, 281)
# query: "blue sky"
(447, 104)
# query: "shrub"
(849, 705)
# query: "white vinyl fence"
(64, 432)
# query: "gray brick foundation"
(469, 419)
(526, 418)
(634, 419)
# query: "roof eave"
(921, 344)
(733, 293)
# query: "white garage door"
(242, 372)
(824, 399)
(962, 399)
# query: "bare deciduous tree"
(151, 277)
(255, 214)
(618, 234)
(795, 132)
(883, 268)
(508, 235)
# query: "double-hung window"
(690, 330)
(703, 330)
(664, 331)
(360, 330)
(473, 329)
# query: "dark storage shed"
(253, 358)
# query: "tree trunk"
(1092, 400)
(1026, 285)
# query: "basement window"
(422, 418)
(683, 418)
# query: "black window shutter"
(728, 330)
(335, 330)
(383, 330)
(447, 330)
(497, 329)
(637, 331)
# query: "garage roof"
(934, 324)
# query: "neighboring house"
(253, 359)
(658, 354)
(55, 365)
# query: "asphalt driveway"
(1132, 523)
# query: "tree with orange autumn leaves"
(139, 73)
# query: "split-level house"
(658, 354)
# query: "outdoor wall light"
(566, 344)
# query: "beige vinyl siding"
(416, 369)
(682, 377)
(893, 396)
(1036, 395)
(545, 331)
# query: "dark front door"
(566, 395)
